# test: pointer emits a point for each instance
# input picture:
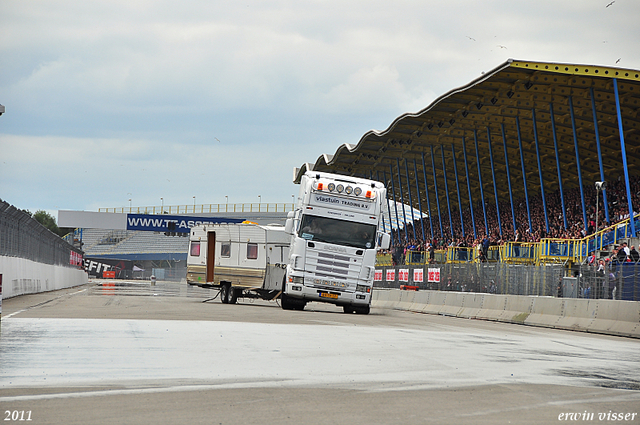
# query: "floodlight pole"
(599, 186)
(597, 209)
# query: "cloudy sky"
(108, 101)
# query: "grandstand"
(148, 253)
(139, 245)
(133, 245)
(512, 156)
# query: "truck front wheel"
(286, 303)
(362, 310)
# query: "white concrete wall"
(21, 276)
(611, 317)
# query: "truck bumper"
(308, 293)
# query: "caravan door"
(211, 255)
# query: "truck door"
(211, 254)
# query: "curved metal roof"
(509, 97)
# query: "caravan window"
(225, 249)
(195, 248)
(252, 251)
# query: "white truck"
(326, 251)
(334, 239)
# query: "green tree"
(47, 220)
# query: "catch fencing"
(493, 278)
(23, 237)
(615, 281)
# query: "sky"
(124, 102)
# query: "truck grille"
(333, 266)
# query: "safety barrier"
(32, 258)
(21, 276)
(610, 317)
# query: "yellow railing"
(577, 250)
(547, 251)
(384, 260)
(519, 252)
(204, 208)
(460, 254)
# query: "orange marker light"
(368, 194)
(320, 186)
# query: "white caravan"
(243, 259)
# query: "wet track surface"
(133, 340)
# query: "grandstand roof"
(507, 97)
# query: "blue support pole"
(384, 175)
(415, 174)
(555, 145)
(506, 161)
(484, 209)
(384, 227)
(493, 175)
(544, 202)
(455, 169)
(426, 189)
(446, 189)
(413, 218)
(435, 185)
(404, 212)
(575, 141)
(624, 158)
(524, 173)
(595, 124)
(466, 170)
(395, 204)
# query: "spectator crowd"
(411, 237)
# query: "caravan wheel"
(224, 293)
(233, 295)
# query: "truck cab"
(334, 238)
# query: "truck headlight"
(296, 279)
(363, 288)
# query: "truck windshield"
(339, 232)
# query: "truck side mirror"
(288, 227)
(385, 241)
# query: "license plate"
(328, 295)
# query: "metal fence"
(22, 236)
(495, 278)
(617, 281)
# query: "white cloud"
(106, 98)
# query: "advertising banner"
(172, 223)
(418, 275)
(434, 275)
(377, 277)
(391, 275)
(75, 259)
(95, 267)
(403, 275)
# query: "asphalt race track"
(128, 352)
